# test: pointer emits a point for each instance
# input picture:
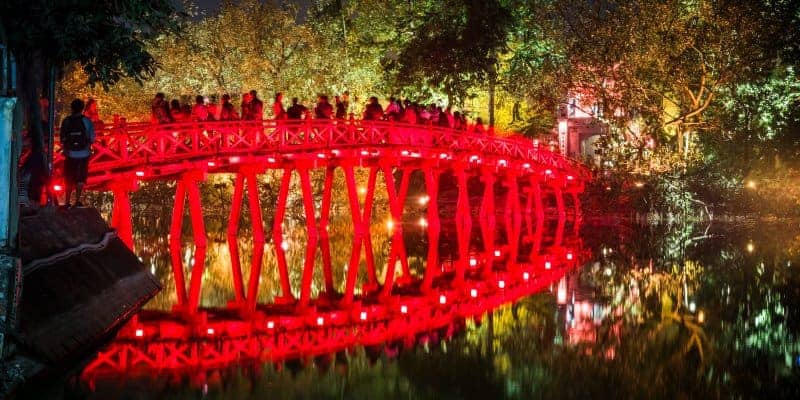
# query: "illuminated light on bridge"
(423, 200)
(526, 276)
(442, 299)
(140, 173)
(569, 256)
(320, 321)
(210, 331)
(320, 155)
(547, 265)
(270, 324)
(140, 332)
(404, 309)
(423, 222)
(498, 253)
(501, 284)
(502, 163)
(548, 172)
(212, 164)
(473, 262)
(363, 316)
(473, 293)
(58, 188)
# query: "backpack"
(74, 136)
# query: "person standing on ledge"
(77, 136)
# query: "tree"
(666, 63)
(454, 46)
(106, 38)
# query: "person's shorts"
(76, 170)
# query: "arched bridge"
(517, 171)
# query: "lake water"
(681, 311)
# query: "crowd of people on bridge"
(78, 130)
(252, 109)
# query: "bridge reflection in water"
(221, 338)
(485, 202)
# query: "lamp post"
(562, 136)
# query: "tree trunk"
(30, 67)
(492, 83)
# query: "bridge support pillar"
(434, 227)
(488, 219)
(277, 235)
(187, 186)
(361, 235)
(324, 237)
(398, 249)
(513, 218)
(233, 239)
(247, 176)
(121, 216)
(463, 224)
(536, 193)
(311, 236)
(559, 195)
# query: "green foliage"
(106, 38)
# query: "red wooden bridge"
(527, 173)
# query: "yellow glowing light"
(362, 190)
(424, 200)
(390, 224)
(751, 247)
(639, 184)
(751, 184)
(701, 317)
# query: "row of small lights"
(363, 315)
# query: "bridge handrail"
(141, 143)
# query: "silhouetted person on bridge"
(297, 110)
(176, 111)
(159, 110)
(227, 112)
(77, 136)
(200, 111)
(341, 108)
(256, 107)
(323, 110)
(373, 111)
(277, 107)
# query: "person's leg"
(69, 179)
(80, 180)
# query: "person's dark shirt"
(296, 111)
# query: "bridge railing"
(120, 147)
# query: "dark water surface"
(680, 311)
